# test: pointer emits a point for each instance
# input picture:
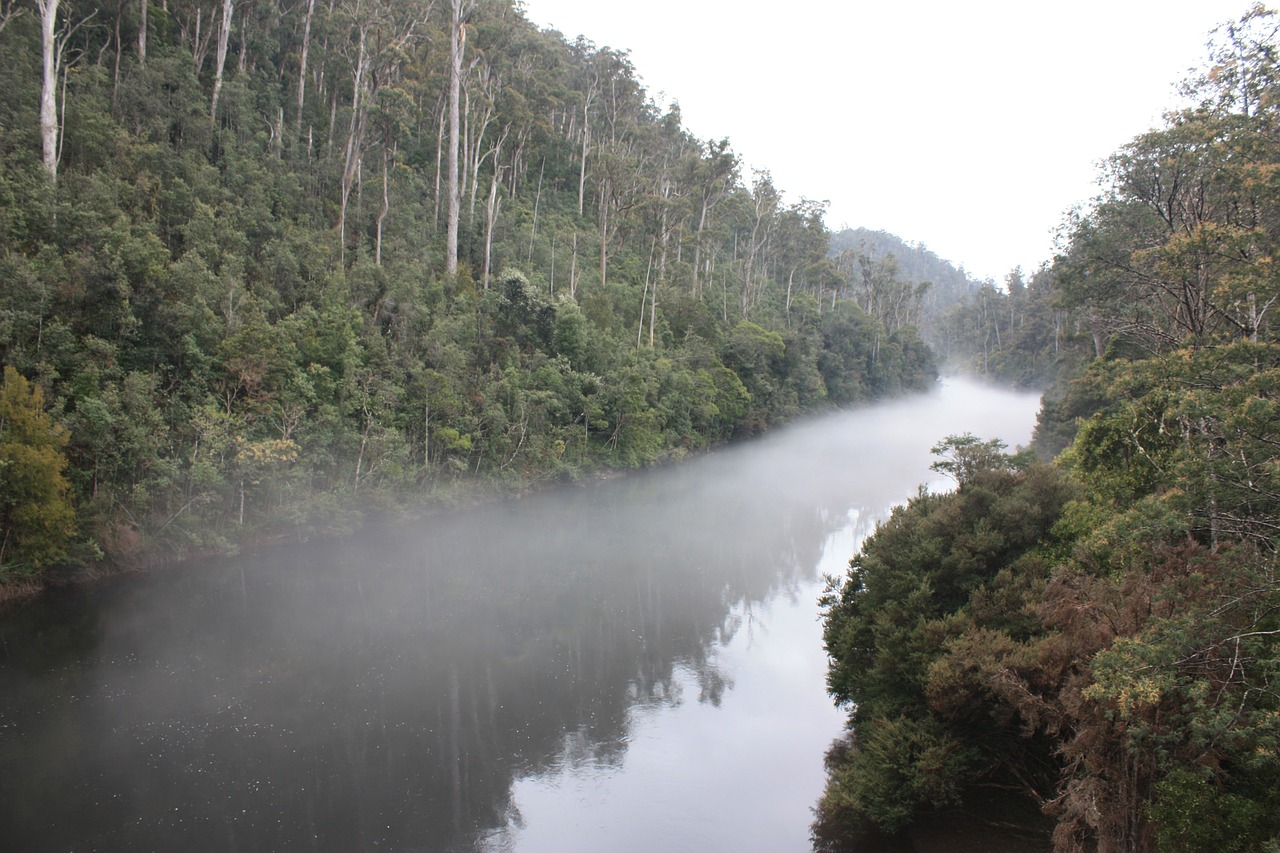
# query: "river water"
(628, 666)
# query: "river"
(633, 665)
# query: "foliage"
(1111, 652)
(36, 518)
(945, 583)
(235, 289)
(1019, 332)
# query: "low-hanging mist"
(391, 690)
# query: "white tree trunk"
(224, 39)
(457, 43)
(386, 207)
(49, 85)
(142, 32)
(302, 64)
(355, 143)
(491, 217)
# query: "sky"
(968, 126)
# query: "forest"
(1091, 628)
(274, 268)
(271, 269)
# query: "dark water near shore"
(634, 665)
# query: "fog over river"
(633, 665)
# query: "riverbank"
(334, 516)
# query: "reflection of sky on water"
(740, 774)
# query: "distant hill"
(916, 262)
(948, 285)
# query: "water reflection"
(392, 692)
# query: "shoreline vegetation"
(1097, 637)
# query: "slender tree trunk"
(644, 297)
(573, 268)
(386, 207)
(653, 308)
(302, 65)
(491, 217)
(440, 129)
(49, 86)
(790, 281)
(7, 14)
(220, 60)
(604, 231)
(115, 70)
(355, 142)
(243, 65)
(582, 165)
(142, 31)
(457, 43)
(537, 200)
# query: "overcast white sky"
(970, 126)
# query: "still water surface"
(628, 666)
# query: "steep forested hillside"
(1101, 635)
(1017, 333)
(266, 265)
(911, 262)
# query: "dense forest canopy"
(1100, 634)
(270, 265)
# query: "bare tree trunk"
(457, 43)
(537, 200)
(440, 128)
(604, 231)
(115, 71)
(7, 14)
(333, 124)
(243, 65)
(220, 60)
(653, 307)
(302, 65)
(790, 280)
(142, 32)
(582, 166)
(491, 217)
(49, 86)
(386, 207)
(644, 297)
(573, 269)
(355, 142)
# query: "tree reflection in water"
(391, 691)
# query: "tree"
(947, 579)
(8, 12)
(50, 55)
(459, 11)
(963, 457)
(220, 57)
(37, 521)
